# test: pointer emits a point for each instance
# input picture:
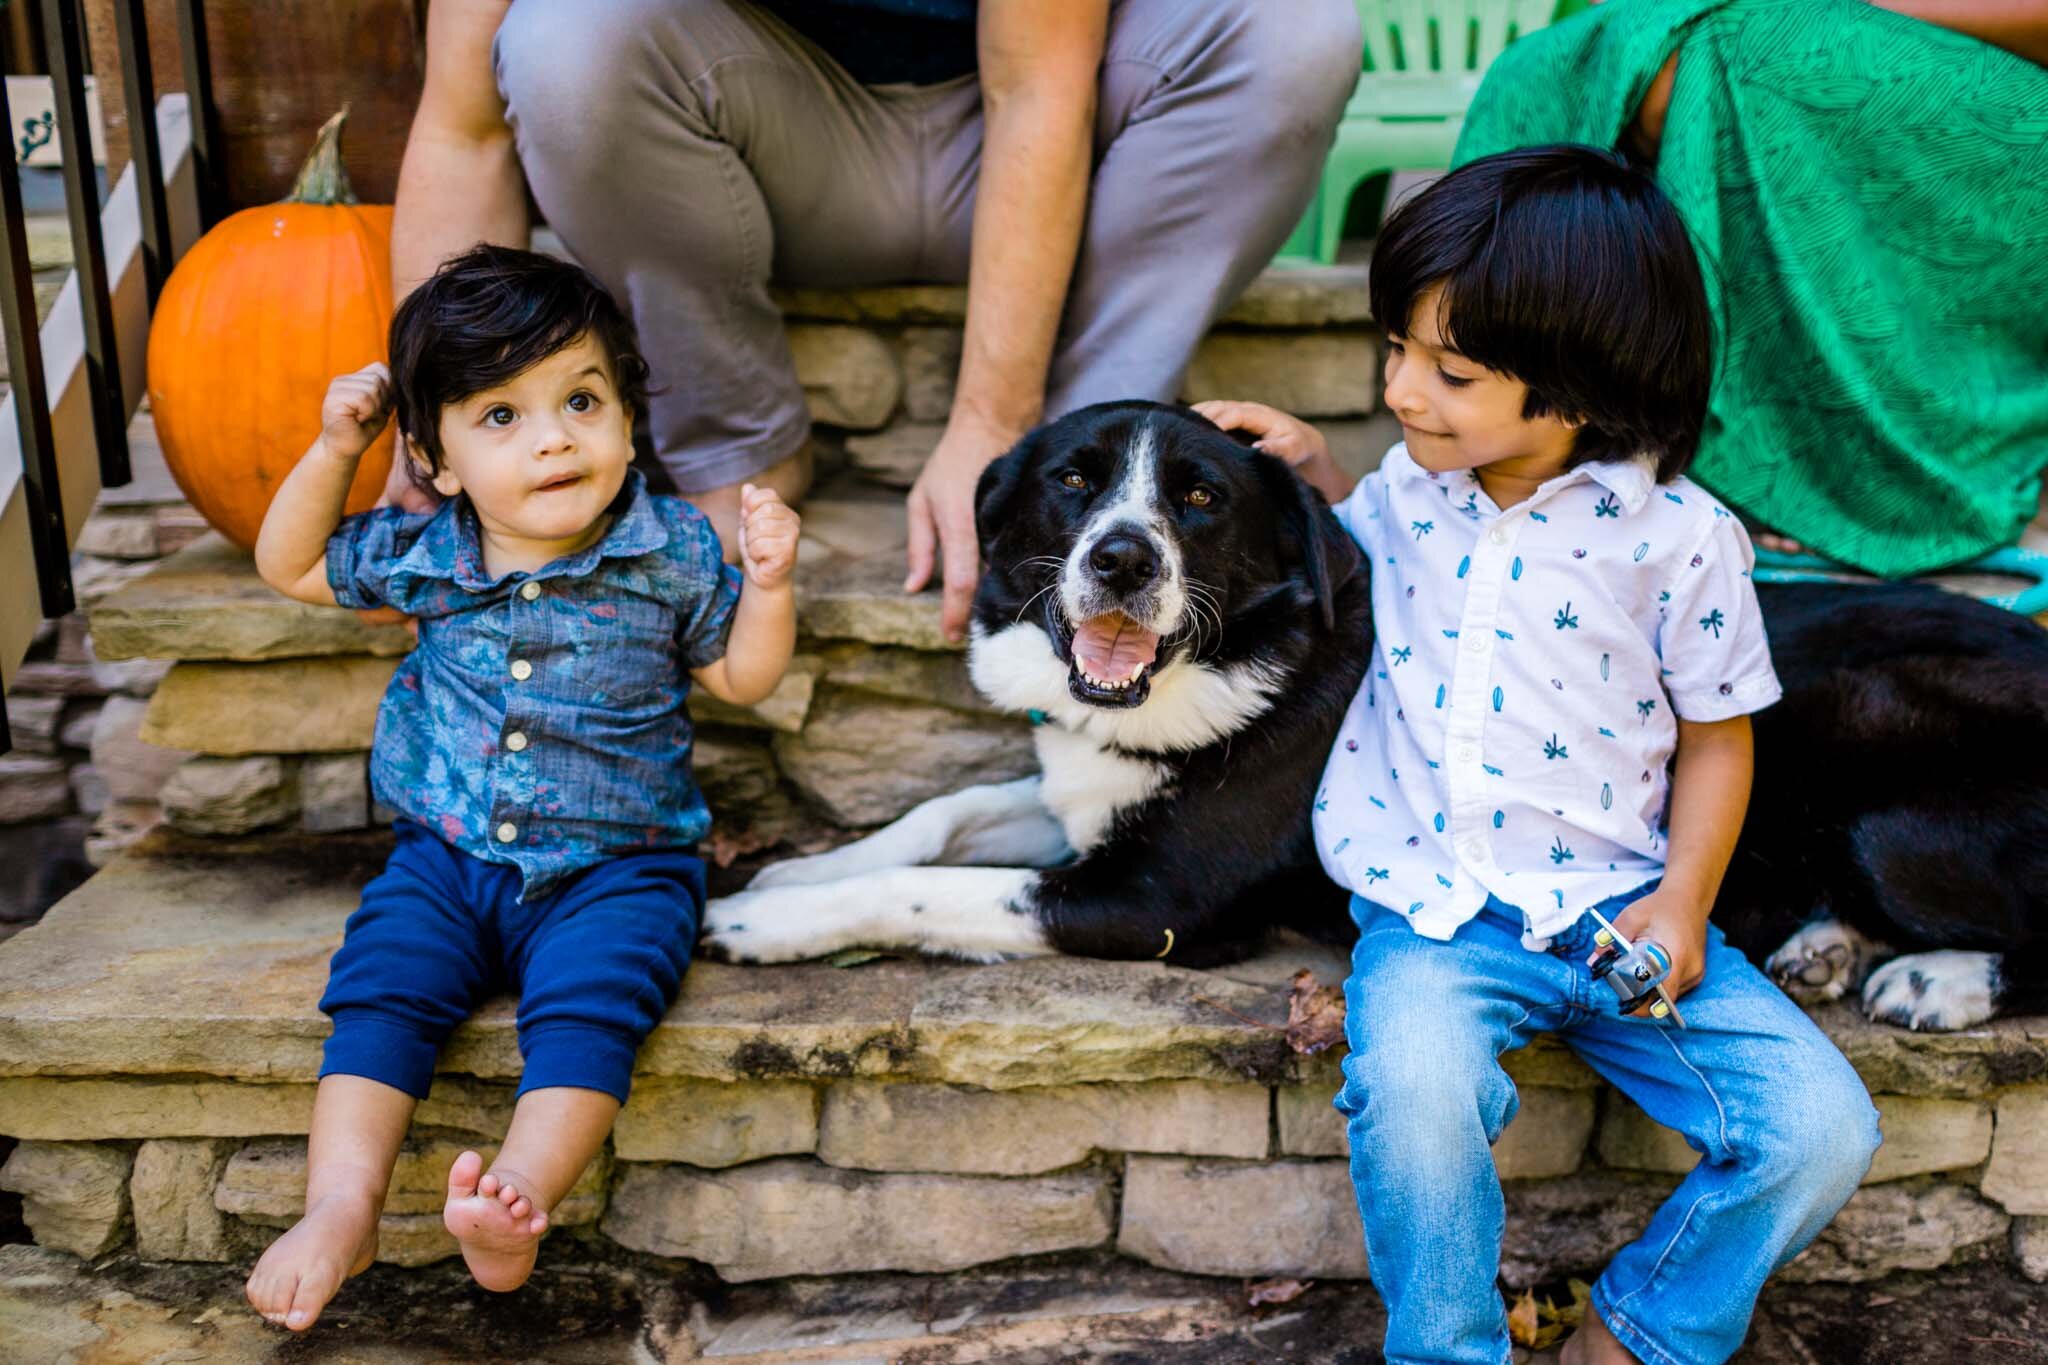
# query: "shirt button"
(1475, 643)
(1498, 535)
(516, 741)
(1466, 753)
(529, 591)
(521, 669)
(507, 832)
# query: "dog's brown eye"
(1200, 497)
(1074, 479)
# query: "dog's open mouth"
(1110, 656)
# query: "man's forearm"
(453, 192)
(460, 182)
(1029, 208)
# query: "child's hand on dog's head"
(355, 410)
(768, 531)
(1274, 432)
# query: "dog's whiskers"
(1205, 613)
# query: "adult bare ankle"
(789, 478)
(1594, 1344)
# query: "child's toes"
(519, 1208)
(462, 1176)
(489, 1186)
(263, 1297)
(308, 1299)
(538, 1225)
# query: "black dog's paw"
(1825, 960)
(1934, 992)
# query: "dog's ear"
(998, 488)
(1310, 537)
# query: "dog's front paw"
(1934, 992)
(1823, 961)
(771, 926)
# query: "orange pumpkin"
(260, 314)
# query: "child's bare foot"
(499, 1227)
(296, 1277)
(1777, 544)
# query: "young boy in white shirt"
(1567, 651)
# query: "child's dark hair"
(490, 314)
(1569, 270)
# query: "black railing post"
(104, 394)
(206, 163)
(6, 736)
(31, 395)
(138, 85)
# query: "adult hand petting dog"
(942, 535)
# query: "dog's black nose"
(1124, 561)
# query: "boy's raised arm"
(763, 635)
(291, 549)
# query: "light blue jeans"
(1784, 1125)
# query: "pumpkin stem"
(323, 179)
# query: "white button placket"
(1493, 551)
(514, 778)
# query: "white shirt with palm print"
(1514, 733)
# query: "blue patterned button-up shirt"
(540, 722)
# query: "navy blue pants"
(595, 963)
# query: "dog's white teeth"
(1137, 671)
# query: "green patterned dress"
(1870, 198)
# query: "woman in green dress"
(1869, 193)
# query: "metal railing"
(111, 319)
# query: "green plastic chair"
(1424, 60)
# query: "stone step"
(1282, 296)
(897, 1115)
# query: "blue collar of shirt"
(1632, 481)
(451, 546)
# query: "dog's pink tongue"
(1111, 647)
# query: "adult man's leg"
(674, 145)
(1212, 123)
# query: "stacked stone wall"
(760, 1179)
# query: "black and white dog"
(1900, 807)
(1189, 623)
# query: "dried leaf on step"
(1522, 1319)
(1275, 1291)
(724, 848)
(854, 957)
(1540, 1326)
(1315, 1014)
